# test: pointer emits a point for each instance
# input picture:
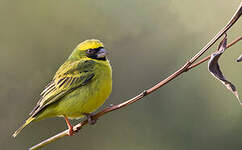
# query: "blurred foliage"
(147, 41)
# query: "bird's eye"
(91, 51)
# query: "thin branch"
(208, 57)
(152, 89)
(234, 42)
(235, 17)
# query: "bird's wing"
(70, 75)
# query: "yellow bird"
(80, 86)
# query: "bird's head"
(93, 49)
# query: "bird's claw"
(70, 131)
(90, 119)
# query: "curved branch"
(208, 57)
(235, 17)
(183, 69)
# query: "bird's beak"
(102, 53)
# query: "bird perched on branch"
(80, 86)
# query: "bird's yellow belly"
(85, 99)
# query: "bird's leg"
(71, 131)
(91, 121)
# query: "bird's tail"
(24, 125)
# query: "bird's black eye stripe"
(93, 51)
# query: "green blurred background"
(147, 41)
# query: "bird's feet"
(71, 131)
(90, 119)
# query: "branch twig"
(208, 57)
(183, 69)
